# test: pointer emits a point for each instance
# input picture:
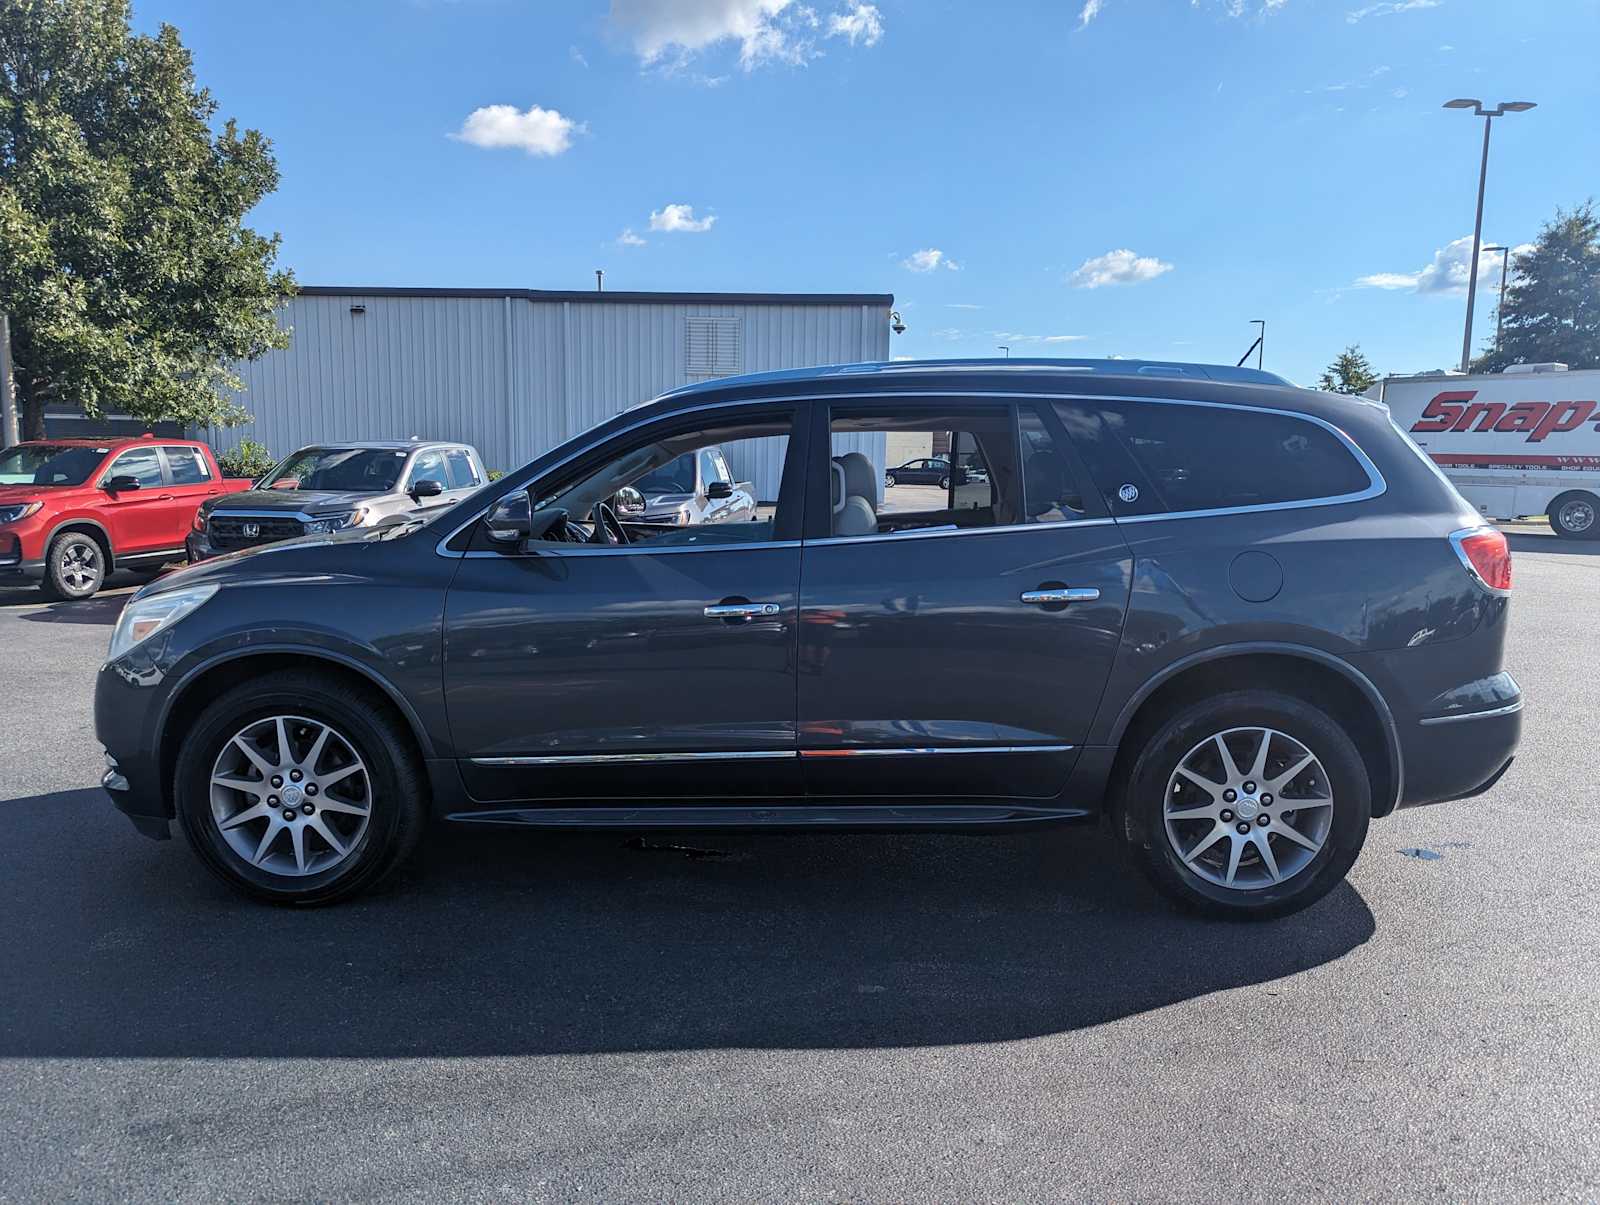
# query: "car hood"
(306, 558)
(10, 494)
(293, 501)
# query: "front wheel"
(1249, 805)
(888, 480)
(944, 483)
(1575, 515)
(74, 567)
(299, 788)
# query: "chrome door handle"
(742, 610)
(1066, 594)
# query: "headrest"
(860, 478)
(1045, 481)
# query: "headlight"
(323, 524)
(144, 617)
(10, 514)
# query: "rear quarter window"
(1177, 457)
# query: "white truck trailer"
(1521, 442)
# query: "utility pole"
(8, 391)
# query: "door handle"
(741, 610)
(1064, 594)
(163, 497)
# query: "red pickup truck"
(72, 510)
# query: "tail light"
(1487, 556)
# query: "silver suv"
(331, 487)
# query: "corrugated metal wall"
(510, 375)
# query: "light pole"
(1261, 343)
(1004, 348)
(1488, 115)
(1500, 309)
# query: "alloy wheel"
(80, 566)
(1248, 808)
(290, 795)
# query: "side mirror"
(628, 501)
(425, 489)
(719, 489)
(121, 482)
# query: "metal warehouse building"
(516, 371)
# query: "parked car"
(74, 510)
(329, 487)
(927, 470)
(696, 487)
(1240, 666)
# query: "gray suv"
(331, 487)
(1235, 621)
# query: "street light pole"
(1488, 115)
(1500, 309)
(1261, 343)
(1004, 348)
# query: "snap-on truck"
(1525, 441)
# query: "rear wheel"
(1575, 515)
(299, 789)
(74, 567)
(888, 480)
(1252, 804)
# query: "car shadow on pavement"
(102, 609)
(523, 944)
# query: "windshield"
(48, 464)
(677, 477)
(359, 470)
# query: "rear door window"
(462, 474)
(187, 465)
(1152, 457)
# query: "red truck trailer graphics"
(1518, 443)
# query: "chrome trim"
(1376, 487)
(599, 759)
(853, 751)
(741, 610)
(1070, 594)
(614, 549)
(1456, 537)
(1508, 709)
(932, 533)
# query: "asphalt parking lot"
(804, 1016)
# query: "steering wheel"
(608, 528)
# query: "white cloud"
(1447, 272)
(859, 23)
(629, 239)
(538, 131)
(1020, 337)
(577, 56)
(1388, 8)
(929, 259)
(1091, 10)
(669, 32)
(680, 219)
(1120, 267)
(961, 305)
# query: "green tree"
(129, 277)
(1552, 310)
(1351, 372)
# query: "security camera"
(897, 326)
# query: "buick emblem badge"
(1129, 492)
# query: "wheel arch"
(1311, 674)
(210, 678)
(92, 528)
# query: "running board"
(798, 816)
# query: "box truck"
(1525, 441)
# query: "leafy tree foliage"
(130, 278)
(250, 459)
(1552, 310)
(1351, 372)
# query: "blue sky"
(1116, 177)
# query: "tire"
(74, 567)
(888, 481)
(1575, 515)
(1154, 831)
(944, 483)
(305, 868)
